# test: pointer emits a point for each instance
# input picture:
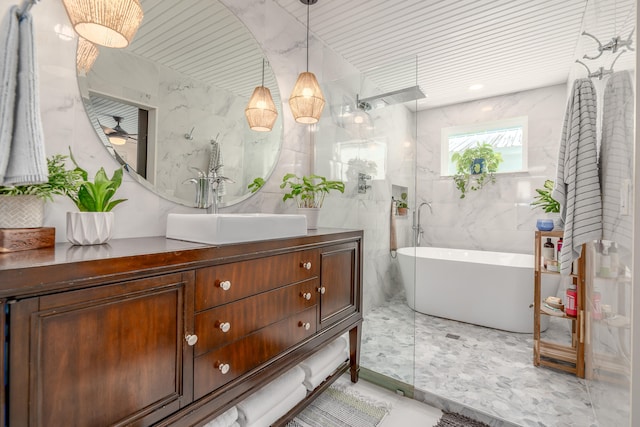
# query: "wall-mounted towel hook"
(601, 71)
(189, 135)
(614, 45)
(26, 6)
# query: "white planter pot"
(21, 211)
(89, 228)
(312, 215)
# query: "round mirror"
(171, 105)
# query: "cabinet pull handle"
(191, 339)
(222, 367)
(322, 290)
(225, 285)
(306, 265)
(224, 326)
(305, 325)
(306, 295)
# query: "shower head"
(395, 97)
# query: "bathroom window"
(508, 137)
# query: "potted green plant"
(22, 206)
(548, 204)
(93, 224)
(402, 205)
(475, 167)
(309, 193)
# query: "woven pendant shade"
(110, 23)
(86, 55)
(306, 100)
(261, 111)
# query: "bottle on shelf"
(559, 246)
(570, 307)
(548, 252)
(605, 263)
(615, 260)
(597, 307)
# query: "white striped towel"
(9, 36)
(577, 186)
(616, 157)
(27, 157)
(227, 419)
(263, 400)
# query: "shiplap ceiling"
(505, 45)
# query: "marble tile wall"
(497, 217)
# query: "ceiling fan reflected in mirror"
(117, 135)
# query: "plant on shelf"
(544, 200)
(402, 204)
(309, 191)
(94, 223)
(28, 200)
(475, 167)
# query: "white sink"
(218, 229)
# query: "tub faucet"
(418, 225)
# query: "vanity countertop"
(26, 273)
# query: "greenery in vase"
(256, 184)
(62, 182)
(402, 203)
(544, 200)
(309, 191)
(96, 196)
(467, 179)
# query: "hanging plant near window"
(475, 167)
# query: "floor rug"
(450, 419)
(339, 407)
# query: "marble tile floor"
(488, 370)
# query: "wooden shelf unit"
(569, 358)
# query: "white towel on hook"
(577, 186)
(215, 161)
(9, 36)
(616, 158)
(27, 158)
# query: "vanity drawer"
(214, 369)
(224, 324)
(229, 282)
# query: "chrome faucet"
(417, 228)
(207, 187)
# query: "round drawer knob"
(223, 367)
(305, 325)
(306, 295)
(225, 285)
(191, 339)
(322, 290)
(306, 265)
(224, 326)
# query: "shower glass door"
(370, 144)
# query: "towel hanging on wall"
(393, 238)
(616, 159)
(577, 186)
(22, 154)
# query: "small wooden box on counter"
(23, 239)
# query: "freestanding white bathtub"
(493, 289)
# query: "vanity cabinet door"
(102, 356)
(338, 283)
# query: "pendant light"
(86, 55)
(306, 100)
(261, 111)
(109, 23)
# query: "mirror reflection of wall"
(194, 80)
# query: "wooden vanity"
(154, 331)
